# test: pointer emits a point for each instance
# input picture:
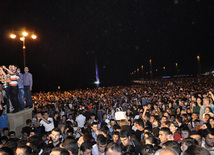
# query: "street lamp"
(199, 64)
(164, 69)
(23, 39)
(150, 66)
(142, 71)
(176, 65)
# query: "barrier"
(18, 120)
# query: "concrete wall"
(18, 120)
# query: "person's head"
(104, 115)
(94, 126)
(206, 126)
(208, 137)
(140, 125)
(64, 118)
(166, 151)
(104, 131)
(5, 131)
(45, 115)
(187, 142)
(194, 116)
(196, 150)
(113, 149)
(164, 119)
(148, 129)
(116, 137)
(207, 110)
(125, 137)
(69, 132)
(33, 132)
(185, 132)
(195, 135)
(34, 142)
(70, 116)
(3, 140)
(206, 101)
(28, 122)
(86, 137)
(148, 149)
(116, 127)
(93, 116)
(123, 122)
(25, 135)
(172, 145)
(56, 135)
(12, 68)
(18, 70)
(173, 127)
(165, 134)
(23, 150)
(26, 69)
(146, 135)
(71, 146)
(211, 121)
(59, 151)
(151, 140)
(85, 149)
(207, 117)
(12, 134)
(101, 143)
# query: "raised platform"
(18, 120)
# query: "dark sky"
(121, 35)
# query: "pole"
(138, 74)
(176, 65)
(199, 65)
(24, 49)
(142, 71)
(150, 65)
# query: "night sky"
(120, 35)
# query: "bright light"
(24, 33)
(22, 38)
(33, 36)
(97, 82)
(198, 57)
(13, 36)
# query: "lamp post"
(138, 74)
(142, 71)
(176, 65)
(150, 66)
(23, 39)
(199, 65)
(164, 70)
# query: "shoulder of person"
(50, 118)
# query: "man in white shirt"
(46, 121)
(80, 120)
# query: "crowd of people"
(165, 116)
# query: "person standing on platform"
(13, 87)
(21, 89)
(28, 83)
